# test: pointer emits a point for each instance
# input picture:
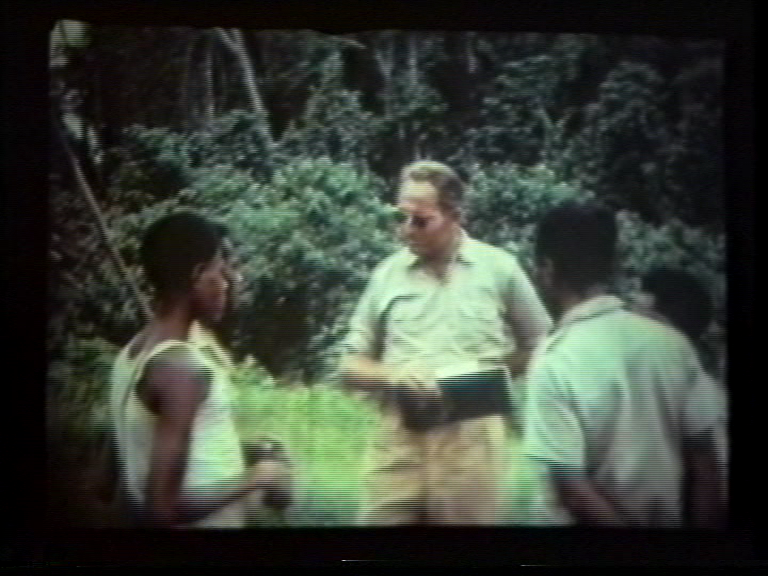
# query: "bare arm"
(702, 490)
(528, 318)
(703, 483)
(179, 391)
(362, 373)
(517, 361)
(585, 502)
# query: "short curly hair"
(173, 245)
(680, 297)
(580, 239)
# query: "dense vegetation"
(294, 140)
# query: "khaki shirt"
(613, 394)
(483, 309)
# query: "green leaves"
(529, 119)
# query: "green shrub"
(506, 201)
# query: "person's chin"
(212, 318)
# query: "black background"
(25, 144)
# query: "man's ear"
(547, 270)
(197, 271)
(456, 213)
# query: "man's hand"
(517, 362)
(276, 478)
(271, 470)
(584, 501)
(418, 380)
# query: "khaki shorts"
(451, 474)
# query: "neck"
(439, 262)
(173, 320)
(571, 298)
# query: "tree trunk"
(233, 39)
(413, 59)
(384, 53)
(549, 134)
(469, 52)
(187, 106)
(209, 109)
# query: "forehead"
(421, 195)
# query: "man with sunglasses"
(444, 304)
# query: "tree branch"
(227, 40)
(101, 224)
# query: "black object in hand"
(277, 498)
(419, 412)
(462, 397)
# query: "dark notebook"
(463, 396)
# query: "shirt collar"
(464, 252)
(590, 308)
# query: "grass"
(324, 429)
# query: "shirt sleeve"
(363, 337)
(552, 431)
(527, 316)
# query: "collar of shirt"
(464, 252)
(590, 308)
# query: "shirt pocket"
(480, 316)
(407, 314)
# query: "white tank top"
(214, 451)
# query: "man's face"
(211, 289)
(543, 280)
(427, 230)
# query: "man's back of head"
(680, 298)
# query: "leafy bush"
(77, 392)
(506, 201)
(234, 139)
(151, 165)
(306, 239)
(76, 415)
(644, 246)
(334, 124)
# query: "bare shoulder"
(177, 373)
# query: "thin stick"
(102, 226)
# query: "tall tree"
(233, 40)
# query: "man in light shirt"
(444, 304)
(619, 408)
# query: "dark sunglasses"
(416, 221)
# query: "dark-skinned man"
(619, 410)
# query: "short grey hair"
(450, 188)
